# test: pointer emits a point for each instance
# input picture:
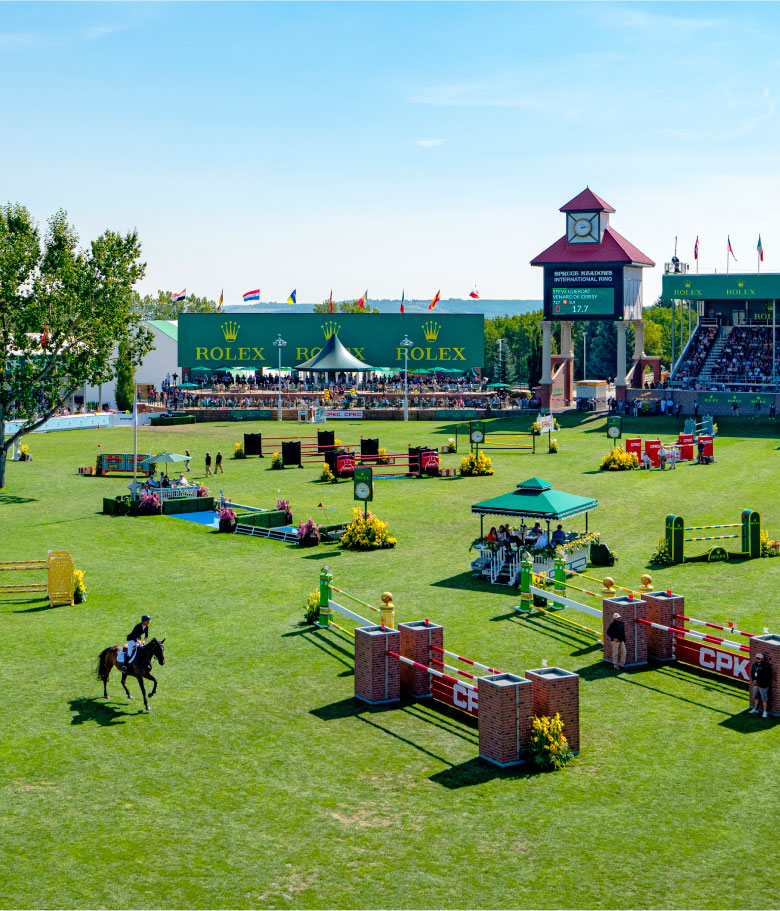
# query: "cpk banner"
(356, 415)
(457, 695)
(713, 659)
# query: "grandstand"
(735, 344)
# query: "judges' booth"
(590, 273)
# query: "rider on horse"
(138, 635)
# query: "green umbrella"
(189, 386)
(200, 370)
(235, 371)
(499, 386)
(163, 457)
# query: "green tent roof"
(536, 499)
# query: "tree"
(63, 314)
(343, 307)
(163, 307)
(534, 358)
(125, 380)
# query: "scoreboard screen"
(585, 293)
(577, 303)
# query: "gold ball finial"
(609, 584)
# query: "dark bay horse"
(140, 667)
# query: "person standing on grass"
(616, 632)
(187, 463)
(218, 463)
(209, 472)
(760, 679)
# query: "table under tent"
(532, 501)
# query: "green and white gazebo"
(535, 499)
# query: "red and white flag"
(474, 293)
(730, 250)
(331, 300)
(696, 248)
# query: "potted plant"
(284, 505)
(308, 533)
(227, 519)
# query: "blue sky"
(392, 145)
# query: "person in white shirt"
(541, 541)
(647, 462)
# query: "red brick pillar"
(417, 638)
(630, 610)
(661, 608)
(556, 690)
(769, 646)
(377, 674)
(505, 708)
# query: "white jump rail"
(567, 602)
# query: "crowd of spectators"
(746, 357)
(697, 353)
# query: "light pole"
(407, 343)
(280, 343)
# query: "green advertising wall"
(737, 286)
(235, 340)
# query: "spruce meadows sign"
(221, 340)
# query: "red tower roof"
(587, 201)
(612, 249)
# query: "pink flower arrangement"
(285, 506)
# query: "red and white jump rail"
(432, 670)
(703, 637)
(484, 667)
(725, 629)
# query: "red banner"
(458, 695)
(713, 659)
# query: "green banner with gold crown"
(738, 286)
(218, 340)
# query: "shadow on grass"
(40, 607)
(632, 676)
(480, 771)
(745, 723)
(8, 499)
(103, 713)
(466, 582)
(326, 641)
(322, 556)
(354, 708)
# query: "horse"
(140, 667)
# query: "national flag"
(221, 299)
(362, 302)
(252, 295)
(435, 300)
(474, 293)
(331, 300)
(291, 298)
(176, 298)
(696, 248)
(760, 249)
(403, 296)
(729, 248)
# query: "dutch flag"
(252, 295)
(177, 298)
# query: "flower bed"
(472, 465)
(366, 533)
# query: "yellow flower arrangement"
(617, 459)
(238, 451)
(327, 474)
(366, 533)
(548, 747)
(471, 465)
(276, 460)
(79, 589)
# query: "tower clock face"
(582, 228)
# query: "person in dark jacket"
(760, 680)
(138, 635)
(616, 632)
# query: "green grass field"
(257, 781)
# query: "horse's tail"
(102, 674)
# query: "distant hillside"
(490, 308)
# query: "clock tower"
(591, 273)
